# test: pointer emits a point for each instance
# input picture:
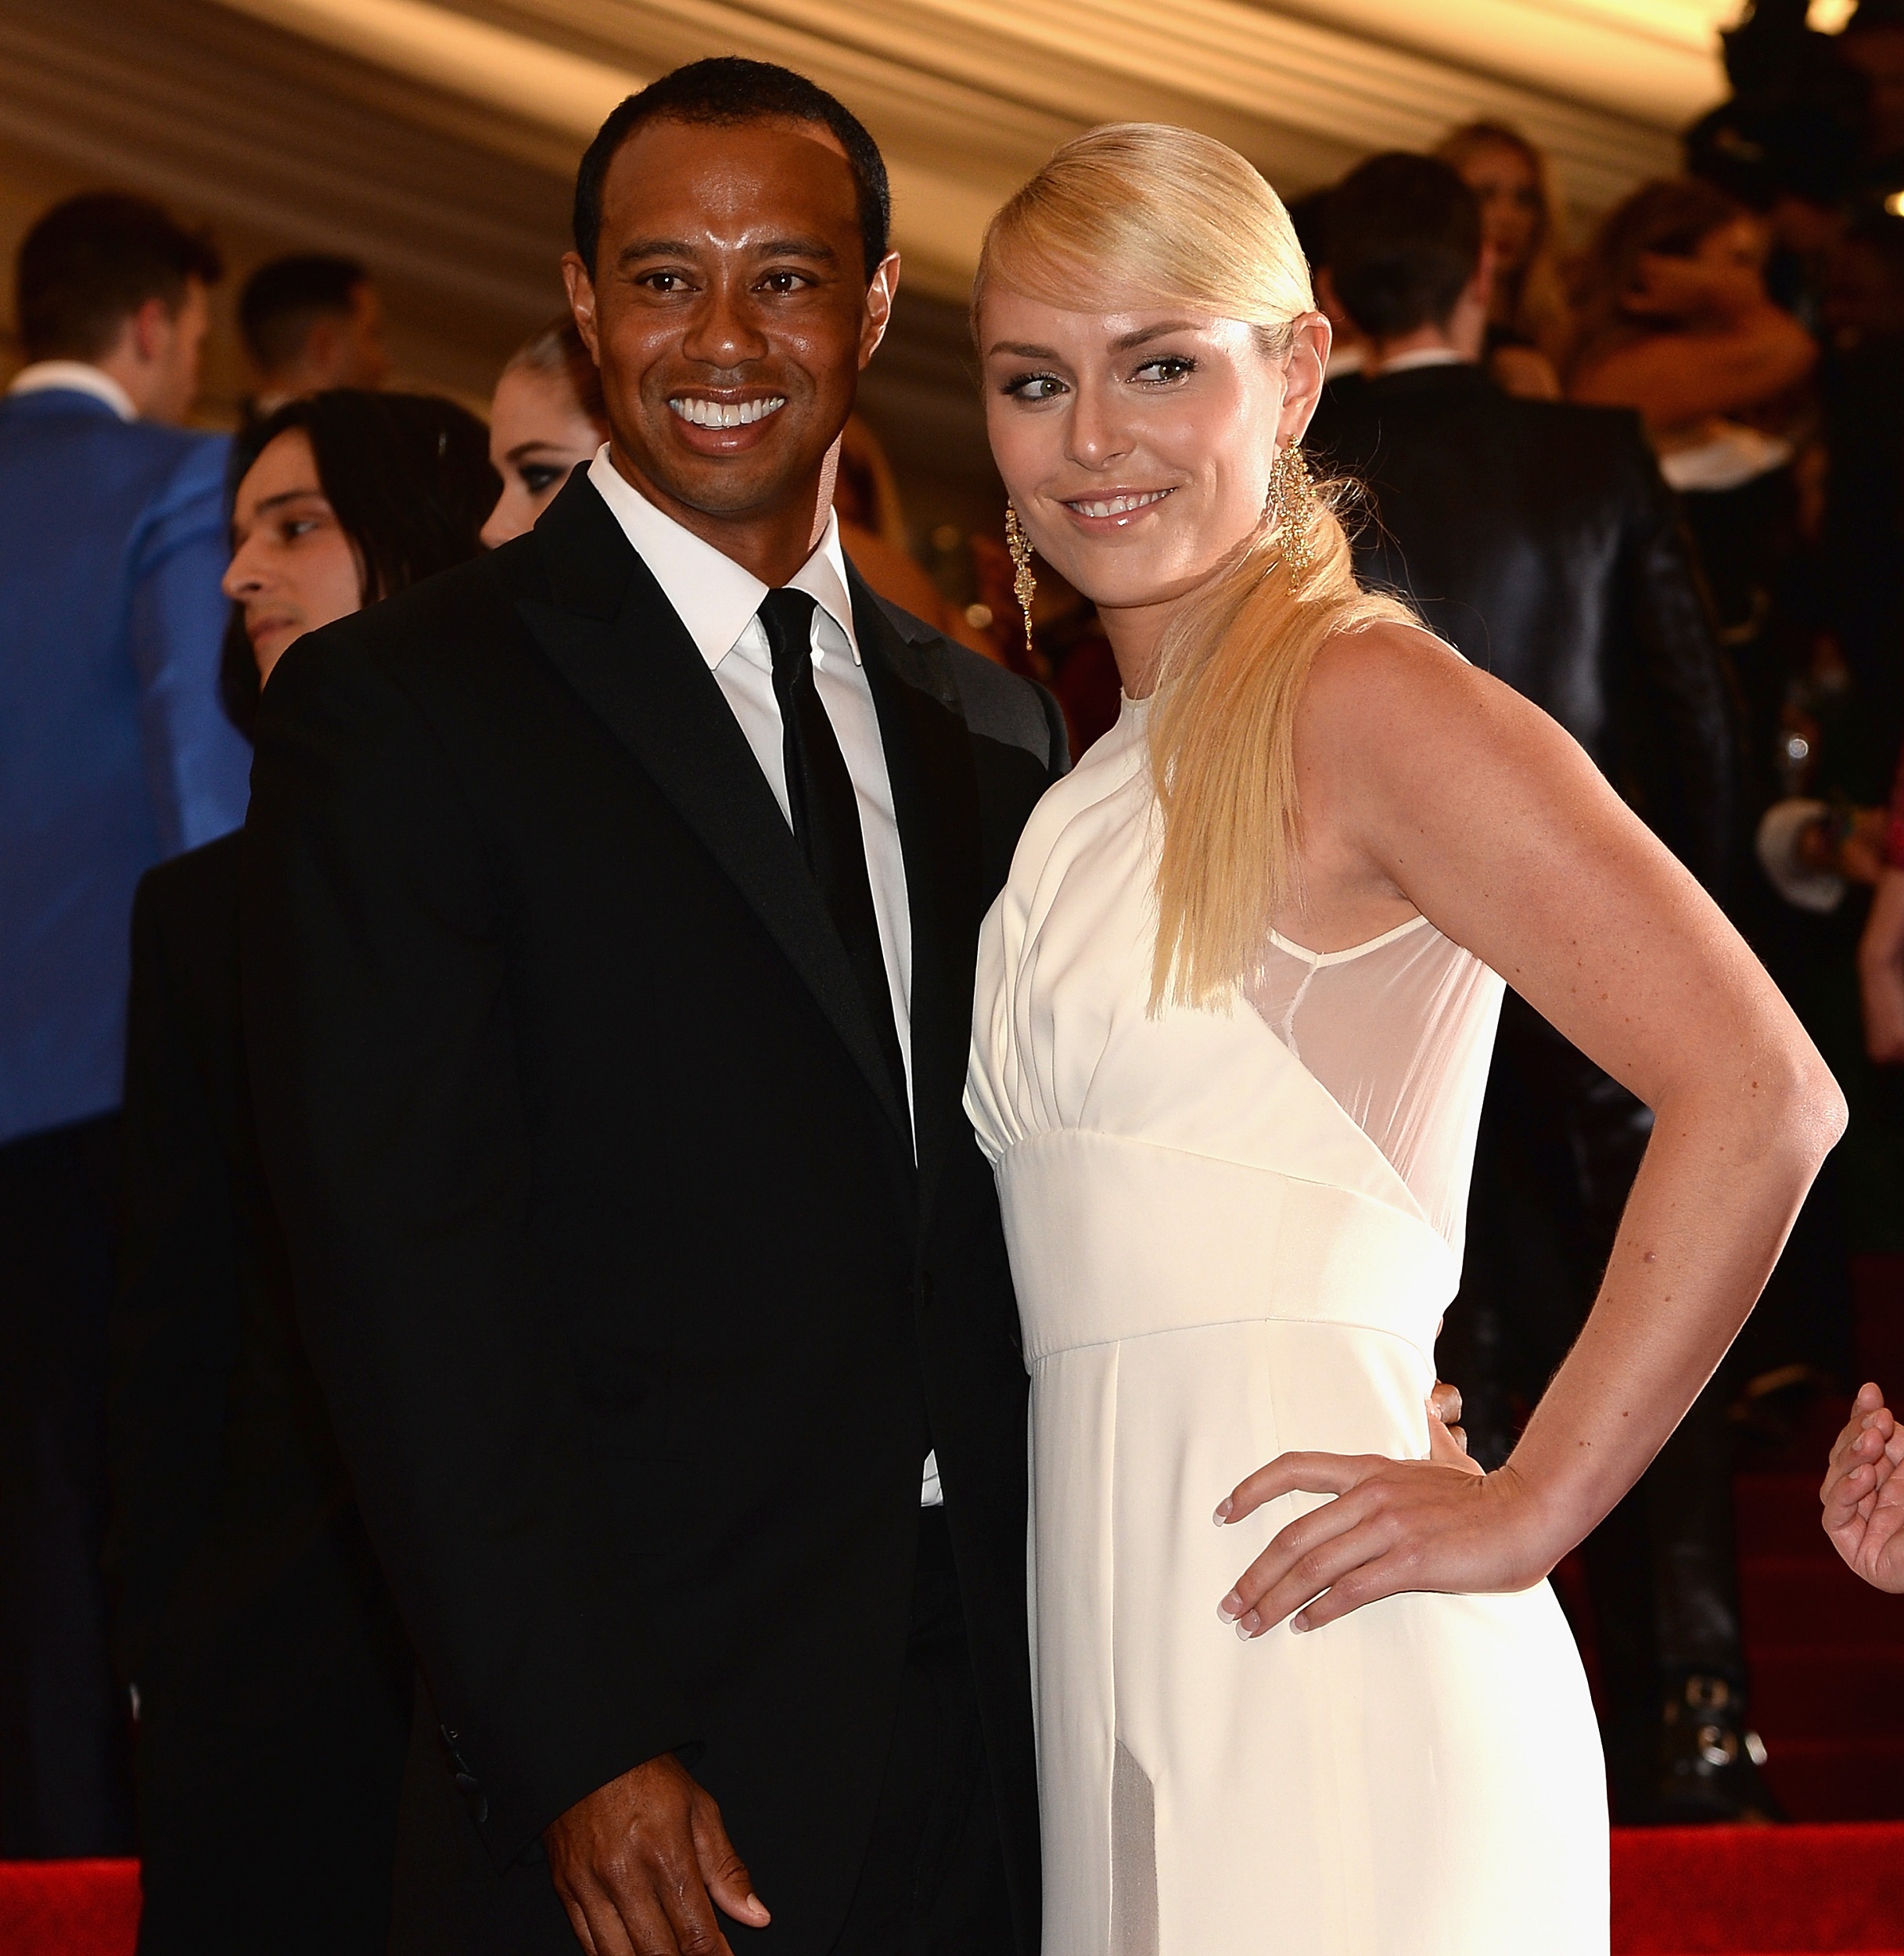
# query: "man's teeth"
(1119, 505)
(726, 413)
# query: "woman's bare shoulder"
(1392, 711)
(1361, 676)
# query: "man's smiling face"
(731, 312)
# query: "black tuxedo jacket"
(1538, 538)
(274, 1679)
(635, 1315)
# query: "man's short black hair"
(726, 92)
(92, 262)
(282, 300)
(1404, 242)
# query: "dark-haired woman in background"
(271, 1674)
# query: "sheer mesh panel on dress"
(1134, 1858)
(1399, 1031)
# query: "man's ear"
(879, 296)
(320, 342)
(149, 330)
(581, 287)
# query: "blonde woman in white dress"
(1235, 1010)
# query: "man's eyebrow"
(653, 248)
(796, 248)
(771, 248)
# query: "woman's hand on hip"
(1395, 1525)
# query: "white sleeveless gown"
(1233, 1235)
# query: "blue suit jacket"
(114, 751)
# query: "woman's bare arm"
(1684, 375)
(1428, 786)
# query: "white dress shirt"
(74, 376)
(720, 603)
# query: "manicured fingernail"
(1229, 1609)
(1299, 1622)
(1249, 1626)
(1222, 1513)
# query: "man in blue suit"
(113, 754)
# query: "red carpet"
(1676, 1892)
(68, 1907)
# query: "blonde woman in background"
(1530, 324)
(546, 419)
(1233, 1011)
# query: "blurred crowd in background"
(1654, 477)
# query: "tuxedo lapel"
(614, 637)
(935, 801)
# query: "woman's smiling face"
(1137, 445)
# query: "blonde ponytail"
(1232, 669)
(1144, 209)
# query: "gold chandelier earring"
(1024, 585)
(1291, 509)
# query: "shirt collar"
(74, 376)
(1421, 357)
(714, 597)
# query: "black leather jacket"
(1538, 538)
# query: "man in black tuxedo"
(1538, 538)
(610, 908)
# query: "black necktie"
(826, 810)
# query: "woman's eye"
(1035, 386)
(1162, 371)
(537, 475)
(296, 526)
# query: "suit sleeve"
(196, 761)
(1689, 759)
(383, 1055)
(1057, 760)
(174, 1333)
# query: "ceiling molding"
(967, 96)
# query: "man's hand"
(1447, 1443)
(1864, 1500)
(641, 1862)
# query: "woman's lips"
(268, 626)
(1116, 509)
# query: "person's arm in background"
(197, 763)
(1690, 763)
(1723, 347)
(1880, 951)
(173, 1330)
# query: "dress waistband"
(1113, 1238)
